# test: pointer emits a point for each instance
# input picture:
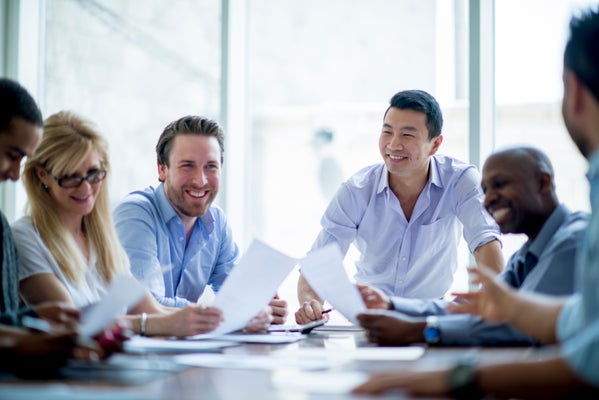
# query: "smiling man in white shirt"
(405, 215)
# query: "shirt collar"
(434, 176)
(549, 228)
(593, 172)
(169, 213)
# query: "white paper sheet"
(124, 291)
(140, 344)
(271, 338)
(263, 362)
(250, 286)
(323, 269)
(407, 353)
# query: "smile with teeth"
(500, 213)
(395, 157)
(197, 194)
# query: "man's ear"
(162, 170)
(436, 144)
(545, 182)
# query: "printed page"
(324, 271)
(250, 286)
(124, 291)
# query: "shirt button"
(181, 239)
(401, 281)
(403, 258)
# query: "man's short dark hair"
(582, 50)
(15, 101)
(188, 125)
(419, 100)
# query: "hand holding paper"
(323, 269)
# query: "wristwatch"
(463, 381)
(432, 330)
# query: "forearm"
(535, 315)
(305, 293)
(466, 330)
(490, 255)
(549, 378)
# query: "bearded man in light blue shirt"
(177, 241)
(406, 215)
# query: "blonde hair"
(67, 141)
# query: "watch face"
(432, 334)
(462, 375)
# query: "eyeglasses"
(93, 176)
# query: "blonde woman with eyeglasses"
(68, 248)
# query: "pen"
(328, 310)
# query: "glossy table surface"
(154, 376)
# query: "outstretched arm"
(548, 378)
(534, 314)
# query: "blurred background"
(300, 88)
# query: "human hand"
(374, 298)
(58, 312)
(310, 311)
(111, 339)
(36, 354)
(260, 322)
(492, 302)
(192, 320)
(427, 383)
(279, 310)
(390, 329)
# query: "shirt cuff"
(419, 308)
(569, 321)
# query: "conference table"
(153, 375)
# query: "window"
(530, 39)
(132, 70)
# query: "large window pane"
(132, 67)
(321, 74)
(530, 39)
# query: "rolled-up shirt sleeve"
(479, 226)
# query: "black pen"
(328, 310)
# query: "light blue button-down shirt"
(578, 323)
(153, 236)
(416, 258)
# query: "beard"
(185, 206)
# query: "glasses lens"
(70, 182)
(96, 176)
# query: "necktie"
(524, 267)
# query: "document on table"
(407, 353)
(250, 286)
(123, 292)
(263, 362)
(140, 344)
(324, 271)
